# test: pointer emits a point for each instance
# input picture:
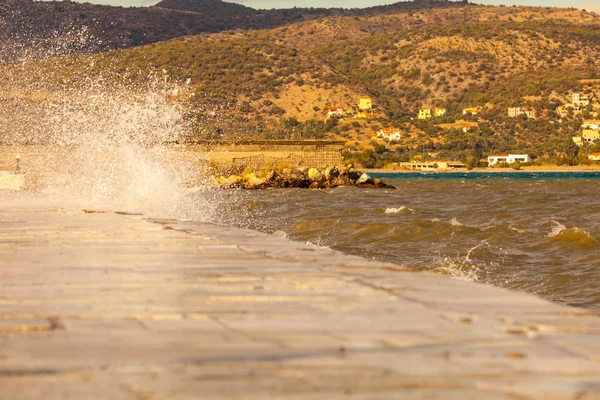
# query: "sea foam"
(399, 210)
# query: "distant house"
(390, 134)
(431, 166)
(470, 110)
(336, 111)
(594, 157)
(590, 132)
(449, 165)
(530, 112)
(514, 112)
(460, 125)
(582, 100)
(467, 126)
(365, 103)
(591, 124)
(590, 135)
(563, 111)
(508, 158)
(426, 112)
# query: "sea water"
(535, 232)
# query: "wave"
(455, 222)
(280, 234)
(515, 229)
(463, 268)
(399, 210)
(575, 235)
(557, 228)
(458, 269)
(452, 222)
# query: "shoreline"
(542, 169)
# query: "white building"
(336, 111)
(514, 112)
(581, 100)
(389, 134)
(594, 157)
(508, 158)
(591, 124)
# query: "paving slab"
(104, 305)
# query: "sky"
(589, 5)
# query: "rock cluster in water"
(299, 177)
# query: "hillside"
(35, 29)
(279, 83)
(38, 29)
(205, 6)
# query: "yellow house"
(438, 112)
(424, 113)
(365, 103)
(590, 135)
(470, 110)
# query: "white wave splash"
(455, 222)
(93, 136)
(114, 146)
(280, 234)
(458, 269)
(515, 229)
(557, 228)
(399, 210)
(462, 268)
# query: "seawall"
(41, 163)
(102, 305)
(258, 154)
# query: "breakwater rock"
(299, 177)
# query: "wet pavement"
(100, 305)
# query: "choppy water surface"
(537, 232)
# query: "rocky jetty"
(299, 177)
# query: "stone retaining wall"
(259, 154)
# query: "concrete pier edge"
(105, 305)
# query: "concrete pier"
(110, 306)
